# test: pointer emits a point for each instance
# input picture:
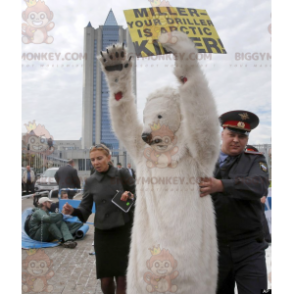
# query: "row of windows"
(81, 163)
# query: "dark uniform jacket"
(67, 177)
(100, 188)
(238, 208)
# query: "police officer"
(240, 180)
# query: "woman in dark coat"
(112, 225)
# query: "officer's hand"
(263, 199)
(67, 209)
(210, 185)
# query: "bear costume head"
(162, 109)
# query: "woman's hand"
(67, 209)
(127, 195)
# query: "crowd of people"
(238, 190)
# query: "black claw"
(116, 54)
(123, 45)
(110, 56)
(122, 54)
(107, 51)
(126, 65)
(118, 67)
(113, 46)
(104, 60)
(130, 58)
(101, 53)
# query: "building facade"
(96, 124)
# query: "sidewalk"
(74, 269)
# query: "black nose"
(146, 137)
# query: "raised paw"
(168, 38)
(176, 42)
(115, 58)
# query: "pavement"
(74, 270)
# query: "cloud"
(53, 95)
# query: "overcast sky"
(52, 89)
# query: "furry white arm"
(198, 106)
(125, 123)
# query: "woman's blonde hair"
(101, 147)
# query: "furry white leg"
(117, 65)
(201, 125)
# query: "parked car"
(47, 181)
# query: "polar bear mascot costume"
(174, 245)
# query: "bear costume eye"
(32, 16)
(42, 16)
(159, 116)
(166, 264)
(157, 264)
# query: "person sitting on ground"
(46, 227)
(73, 227)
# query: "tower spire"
(110, 20)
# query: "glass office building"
(110, 35)
(96, 119)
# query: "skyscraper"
(96, 126)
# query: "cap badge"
(244, 115)
(241, 124)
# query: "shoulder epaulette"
(254, 152)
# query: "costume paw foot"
(115, 58)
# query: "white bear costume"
(174, 246)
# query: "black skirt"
(112, 251)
